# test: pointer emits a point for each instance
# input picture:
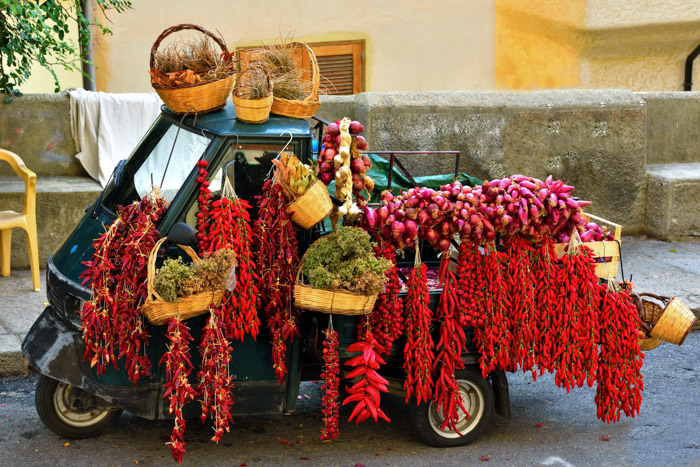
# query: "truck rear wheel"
(477, 397)
(71, 412)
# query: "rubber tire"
(420, 414)
(46, 388)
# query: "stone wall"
(595, 140)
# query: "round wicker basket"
(311, 207)
(307, 107)
(159, 311)
(670, 322)
(339, 302)
(202, 97)
(252, 110)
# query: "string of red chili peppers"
(278, 256)
(178, 390)
(523, 319)
(386, 320)
(494, 338)
(449, 357)
(576, 359)
(331, 384)
(366, 391)
(471, 284)
(418, 350)
(546, 269)
(226, 222)
(619, 376)
(112, 325)
(215, 382)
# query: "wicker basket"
(305, 108)
(339, 302)
(252, 110)
(649, 313)
(159, 311)
(675, 321)
(200, 98)
(311, 207)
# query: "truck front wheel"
(477, 398)
(71, 412)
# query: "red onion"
(443, 244)
(398, 228)
(430, 234)
(330, 153)
(326, 178)
(361, 143)
(357, 166)
(356, 127)
(367, 161)
(382, 214)
(370, 218)
(411, 228)
(332, 129)
(423, 218)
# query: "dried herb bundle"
(190, 62)
(287, 79)
(253, 83)
(344, 259)
(175, 279)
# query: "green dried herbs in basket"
(175, 279)
(344, 259)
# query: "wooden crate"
(608, 249)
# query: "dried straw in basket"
(159, 311)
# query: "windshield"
(164, 158)
(166, 171)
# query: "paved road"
(665, 433)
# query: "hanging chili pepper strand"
(278, 257)
(494, 338)
(366, 391)
(619, 376)
(521, 300)
(546, 338)
(178, 390)
(112, 325)
(449, 357)
(418, 351)
(471, 284)
(386, 320)
(203, 204)
(576, 358)
(215, 383)
(331, 384)
(229, 227)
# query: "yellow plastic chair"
(25, 220)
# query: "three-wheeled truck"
(74, 402)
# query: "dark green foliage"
(35, 31)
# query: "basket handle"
(316, 78)
(300, 267)
(183, 27)
(660, 298)
(152, 265)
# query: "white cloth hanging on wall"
(107, 127)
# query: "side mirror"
(182, 233)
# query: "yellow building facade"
(414, 45)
